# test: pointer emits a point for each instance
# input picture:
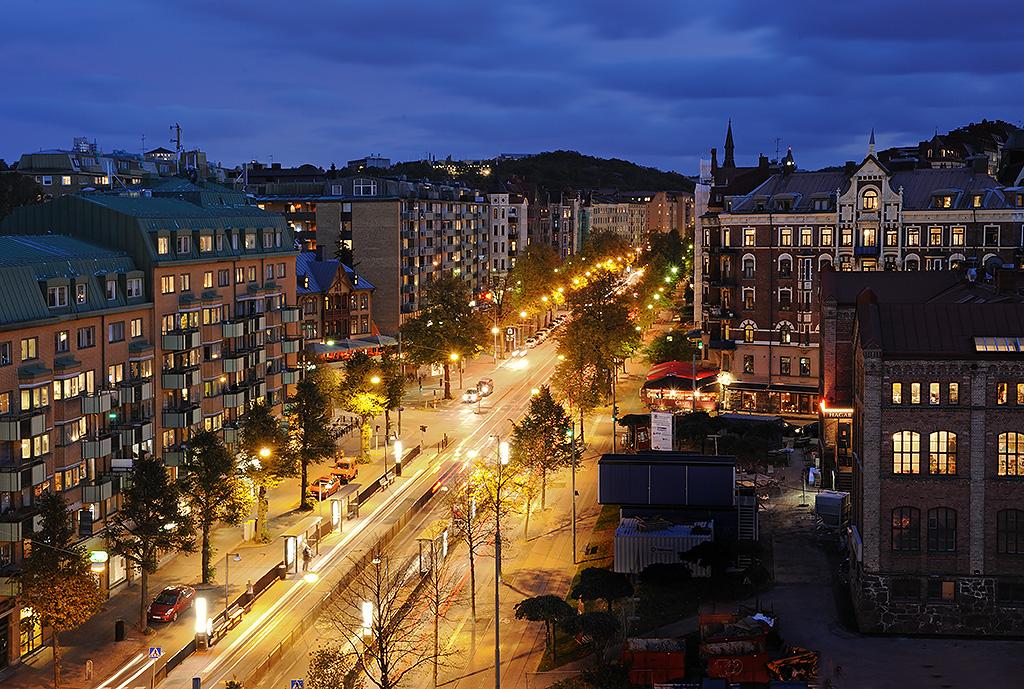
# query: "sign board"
(661, 430)
(297, 684)
(155, 652)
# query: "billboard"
(661, 431)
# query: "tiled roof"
(919, 186)
(802, 187)
(322, 273)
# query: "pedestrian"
(307, 555)
(250, 594)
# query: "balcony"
(257, 323)
(103, 488)
(234, 362)
(230, 434)
(22, 425)
(259, 357)
(290, 376)
(100, 402)
(234, 397)
(866, 250)
(290, 345)
(19, 524)
(135, 432)
(258, 390)
(13, 478)
(290, 314)
(180, 379)
(180, 340)
(135, 391)
(233, 328)
(99, 446)
(184, 416)
(174, 456)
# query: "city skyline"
(654, 83)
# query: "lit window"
(1020, 393)
(957, 236)
(953, 393)
(65, 180)
(749, 237)
(786, 237)
(906, 452)
(897, 393)
(906, 529)
(163, 245)
(934, 236)
(167, 284)
(934, 397)
(805, 366)
(1001, 393)
(80, 294)
(205, 243)
(826, 236)
(1010, 449)
(915, 393)
(208, 279)
(869, 200)
(942, 453)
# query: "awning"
(774, 387)
(680, 369)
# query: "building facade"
(758, 260)
(165, 313)
(507, 236)
(335, 302)
(937, 529)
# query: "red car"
(172, 601)
(324, 487)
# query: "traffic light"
(700, 344)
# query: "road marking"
(124, 668)
(131, 679)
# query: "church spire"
(730, 159)
(871, 143)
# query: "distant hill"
(555, 171)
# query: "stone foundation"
(974, 612)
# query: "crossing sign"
(298, 684)
(155, 652)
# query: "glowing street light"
(522, 314)
(453, 357)
(367, 609)
(264, 452)
(398, 457)
(495, 330)
(534, 392)
(375, 380)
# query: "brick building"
(937, 528)
(507, 236)
(155, 315)
(758, 257)
(335, 302)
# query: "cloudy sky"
(648, 80)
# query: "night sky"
(652, 81)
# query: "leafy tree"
(551, 610)
(539, 439)
(332, 666)
(151, 520)
(446, 329)
(392, 385)
(696, 426)
(362, 392)
(531, 277)
(598, 583)
(672, 346)
(16, 190)
(213, 489)
(311, 427)
(602, 628)
(472, 525)
(55, 578)
(263, 454)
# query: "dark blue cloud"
(649, 80)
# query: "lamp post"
(503, 455)
(494, 331)
(227, 576)
(398, 457)
(572, 451)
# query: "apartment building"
(507, 236)
(758, 259)
(165, 312)
(335, 302)
(937, 528)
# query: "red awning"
(681, 369)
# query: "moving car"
(470, 396)
(485, 386)
(324, 487)
(171, 602)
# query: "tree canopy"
(598, 583)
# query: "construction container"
(654, 661)
(640, 542)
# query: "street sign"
(297, 684)
(510, 333)
(661, 431)
(155, 652)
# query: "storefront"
(679, 386)
(761, 398)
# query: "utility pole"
(176, 140)
(401, 370)
(503, 455)
(572, 446)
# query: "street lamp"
(264, 452)
(227, 576)
(202, 624)
(494, 331)
(398, 457)
(375, 380)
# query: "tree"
(17, 190)
(263, 455)
(55, 579)
(440, 593)
(446, 329)
(332, 666)
(551, 610)
(311, 428)
(672, 346)
(471, 525)
(362, 391)
(601, 627)
(392, 385)
(213, 489)
(531, 277)
(539, 439)
(392, 647)
(152, 520)
(598, 583)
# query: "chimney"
(320, 252)
(762, 161)
(714, 159)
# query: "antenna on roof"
(778, 144)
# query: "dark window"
(906, 529)
(1010, 532)
(941, 590)
(1010, 591)
(748, 363)
(785, 268)
(805, 366)
(785, 365)
(942, 530)
(87, 337)
(905, 588)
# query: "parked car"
(171, 602)
(470, 396)
(324, 487)
(485, 386)
(344, 469)
(531, 342)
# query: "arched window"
(1010, 454)
(749, 264)
(942, 530)
(906, 529)
(1010, 532)
(785, 266)
(749, 330)
(906, 452)
(942, 453)
(912, 263)
(869, 200)
(785, 332)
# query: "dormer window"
(57, 297)
(943, 201)
(976, 200)
(869, 200)
(364, 187)
(80, 293)
(184, 244)
(822, 204)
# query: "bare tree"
(471, 526)
(375, 620)
(441, 591)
